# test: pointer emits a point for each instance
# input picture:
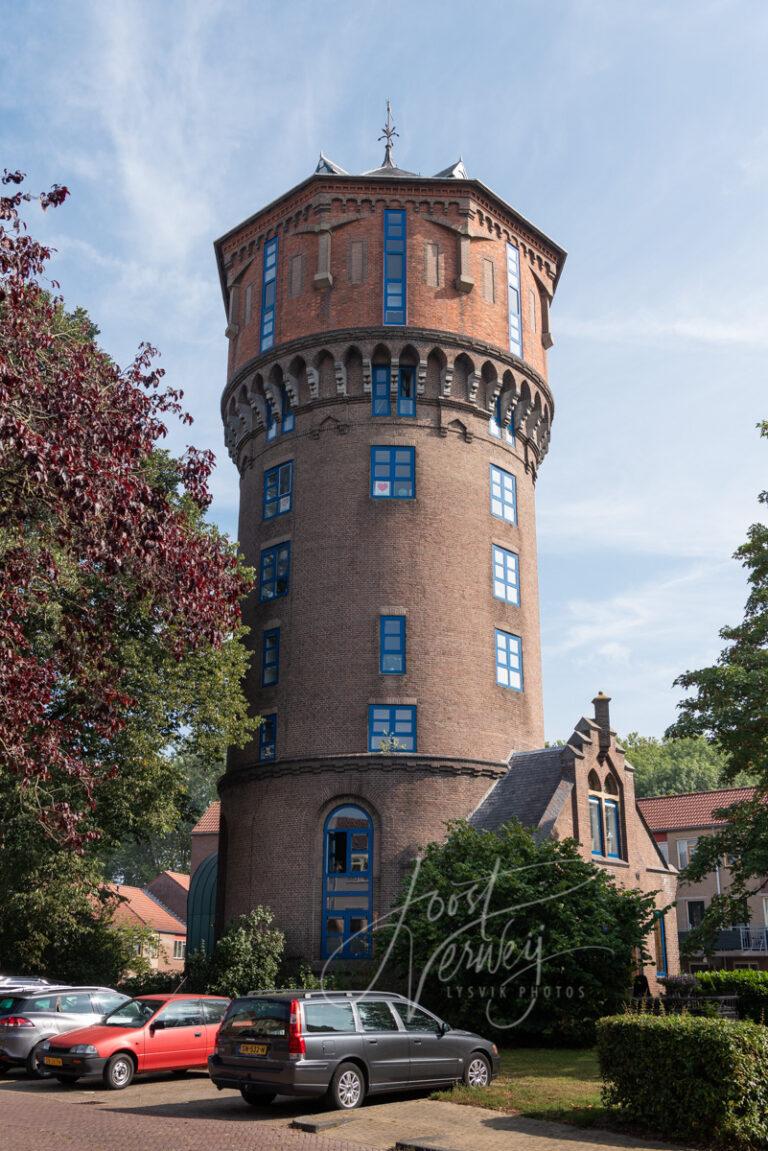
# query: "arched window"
(347, 884)
(287, 421)
(604, 816)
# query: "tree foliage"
(500, 932)
(672, 766)
(247, 957)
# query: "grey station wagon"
(29, 1016)
(344, 1044)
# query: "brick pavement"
(190, 1115)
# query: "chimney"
(603, 719)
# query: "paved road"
(189, 1114)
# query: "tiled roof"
(693, 809)
(524, 793)
(139, 905)
(179, 877)
(209, 820)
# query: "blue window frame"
(513, 300)
(392, 644)
(406, 392)
(270, 657)
(288, 422)
(596, 825)
(506, 575)
(268, 738)
(381, 404)
(509, 660)
(396, 722)
(278, 490)
(269, 294)
(274, 572)
(503, 495)
(660, 939)
(395, 269)
(347, 884)
(393, 473)
(273, 426)
(494, 424)
(612, 829)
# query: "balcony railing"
(742, 940)
(754, 938)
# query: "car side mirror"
(444, 1028)
(158, 1025)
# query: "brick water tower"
(387, 408)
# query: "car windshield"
(134, 1013)
(249, 1019)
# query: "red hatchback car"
(150, 1033)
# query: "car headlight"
(83, 1049)
(46, 1045)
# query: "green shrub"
(247, 956)
(151, 983)
(751, 987)
(684, 1078)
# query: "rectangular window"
(392, 644)
(660, 940)
(296, 275)
(270, 657)
(503, 495)
(685, 850)
(395, 275)
(248, 304)
(393, 473)
(381, 404)
(506, 575)
(513, 300)
(268, 738)
(663, 847)
(509, 660)
(696, 910)
(612, 829)
(179, 949)
(274, 572)
(278, 490)
(269, 294)
(596, 825)
(489, 287)
(391, 728)
(356, 261)
(406, 392)
(433, 265)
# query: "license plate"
(253, 1049)
(52, 1061)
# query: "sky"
(634, 134)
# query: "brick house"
(172, 890)
(139, 907)
(677, 823)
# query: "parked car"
(30, 1016)
(150, 1033)
(22, 981)
(347, 1044)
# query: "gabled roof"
(692, 809)
(456, 171)
(139, 906)
(179, 877)
(327, 167)
(209, 821)
(524, 792)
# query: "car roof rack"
(318, 993)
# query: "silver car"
(29, 1016)
(346, 1044)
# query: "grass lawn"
(560, 1084)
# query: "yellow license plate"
(253, 1049)
(52, 1061)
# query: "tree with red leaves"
(120, 632)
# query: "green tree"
(672, 766)
(247, 957)
(500, 932)
(729, 706)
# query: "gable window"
(381, 404)
(393, 473)
(685, 850)
(268, 738)
(395, 271)
(391, 728)
(513, 300)
(392, 644)
(347, 884)
(270, 657)
(506, 575)
(612, 838)
(596, 825)
(604, 817)
(278, 490)
(696, 910)
(406, 392)
(509, 660)
(269, 294)
(503, 495)
(274, 572)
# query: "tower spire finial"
(389, 133)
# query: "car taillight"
(296, 1044)
(17, 1021)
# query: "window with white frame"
(506, 575)
(179, 949)
(685, 850)
(503, 495)
(509, 660)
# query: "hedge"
(750, 986)
(680, 1077)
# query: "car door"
(214, 1011)
(76, 1009)
(175, 1037)
(385, 1043)
(432, 1055)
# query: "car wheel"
(477, 1073)
(35, 1066)
(347, 1089)
(67, 1080)
(118, 1072)
(257, 1098)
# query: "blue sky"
(635, 134)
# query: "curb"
(324, 1123)
(418, 1146)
